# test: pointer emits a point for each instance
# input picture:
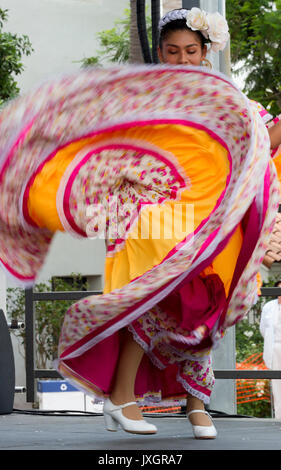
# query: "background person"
(270, 328)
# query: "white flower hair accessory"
(213, 26)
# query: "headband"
(213, 26)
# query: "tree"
(255, 45)
(48, 315)
(115, 43)
(12, 48)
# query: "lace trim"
(193, 391)
(146, 348)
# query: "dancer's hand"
(275, 135)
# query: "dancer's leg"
(198, 419)
(124, 386)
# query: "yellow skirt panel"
(201, 160)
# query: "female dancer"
(180, 43)
(180, 160)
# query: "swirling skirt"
(171, 166)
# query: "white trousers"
(276, 384)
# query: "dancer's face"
(182, 47)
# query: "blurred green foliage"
(12, 49)
(115, 42)
(255, 30)
(48, 315)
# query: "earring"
(206, 63)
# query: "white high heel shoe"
(203, 432)
(113, 416)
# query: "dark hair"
(178, 25)
(277, 282)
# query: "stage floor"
(75, 432)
